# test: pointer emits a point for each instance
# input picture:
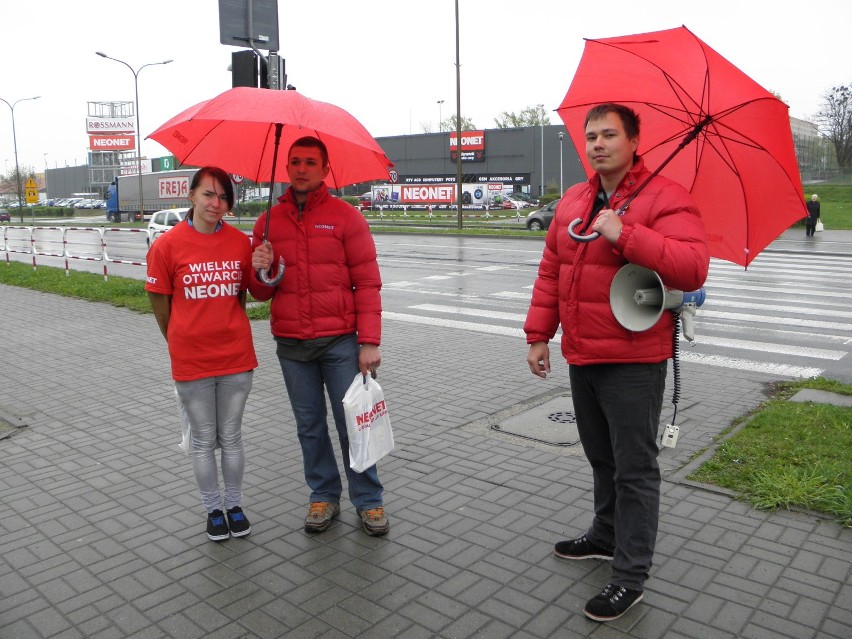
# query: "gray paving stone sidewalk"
(103, 534)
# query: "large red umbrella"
(244, 131)
(236, 131)
(706, 125)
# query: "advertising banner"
(472, 146)
(109, 125)
(112, 142)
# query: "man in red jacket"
(617, 376)
(327, 323)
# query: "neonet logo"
(365, 420)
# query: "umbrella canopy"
(741, 165)
(236, 131)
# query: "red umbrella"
(236, 131)
(706, 125)
(242, 130)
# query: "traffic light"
(250, 70)
(244, 69)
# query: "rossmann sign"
(110, 125)
(472, 146)
(112, 142)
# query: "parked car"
(540, 219)
(162, 221)
(512, 202)
(5, 216)
(525, 197)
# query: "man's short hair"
(629, 117)
(311, 142)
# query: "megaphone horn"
(638, 297)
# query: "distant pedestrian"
(813, 216)
(197, 278)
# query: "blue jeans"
(618, 414)
(306, 382)
(215, 406)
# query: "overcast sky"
(387, 62)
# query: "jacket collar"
(314, 197)
(628, 184)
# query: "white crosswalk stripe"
(786, 316)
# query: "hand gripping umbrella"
(705, 125)
(242, 130)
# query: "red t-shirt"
(209, 333)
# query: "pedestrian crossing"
(787, 315)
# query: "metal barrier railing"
(78, 243)
(18, 239)
(141, 235)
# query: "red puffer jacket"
(331, 283)
(662, 231)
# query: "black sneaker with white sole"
(581, 548)
(217, 528)
(612, 602)
(238, 522)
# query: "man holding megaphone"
(617, 374)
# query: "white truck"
(161, 190)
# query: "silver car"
(162, 221)
(540, 219)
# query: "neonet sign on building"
(472, 146)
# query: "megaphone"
(638, 298)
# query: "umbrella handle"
(263, 274)
(581, 238)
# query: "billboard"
(112, 142)
(98, 125)
(472, 146)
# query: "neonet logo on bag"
(365, 420)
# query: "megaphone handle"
(581, 238)
(687, 317)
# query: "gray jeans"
(215, 408)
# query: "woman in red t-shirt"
(197, 278)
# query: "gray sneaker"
(320, 514)
(374, 521)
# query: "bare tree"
(450, 124)
(531, 116)
(9, 182)
(834, 120)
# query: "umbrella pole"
(263, 274)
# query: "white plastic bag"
(819, 228)
(367, 422)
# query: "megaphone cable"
(675, 365)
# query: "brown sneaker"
(320, 514)
(374, 521)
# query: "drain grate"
(549, 423)
(563, 417)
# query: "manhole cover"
(551, 423)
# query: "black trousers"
(618, 413)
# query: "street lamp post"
(440, 107)
(541, 181)
(15, 142)
(138, 126)
(561, 191)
